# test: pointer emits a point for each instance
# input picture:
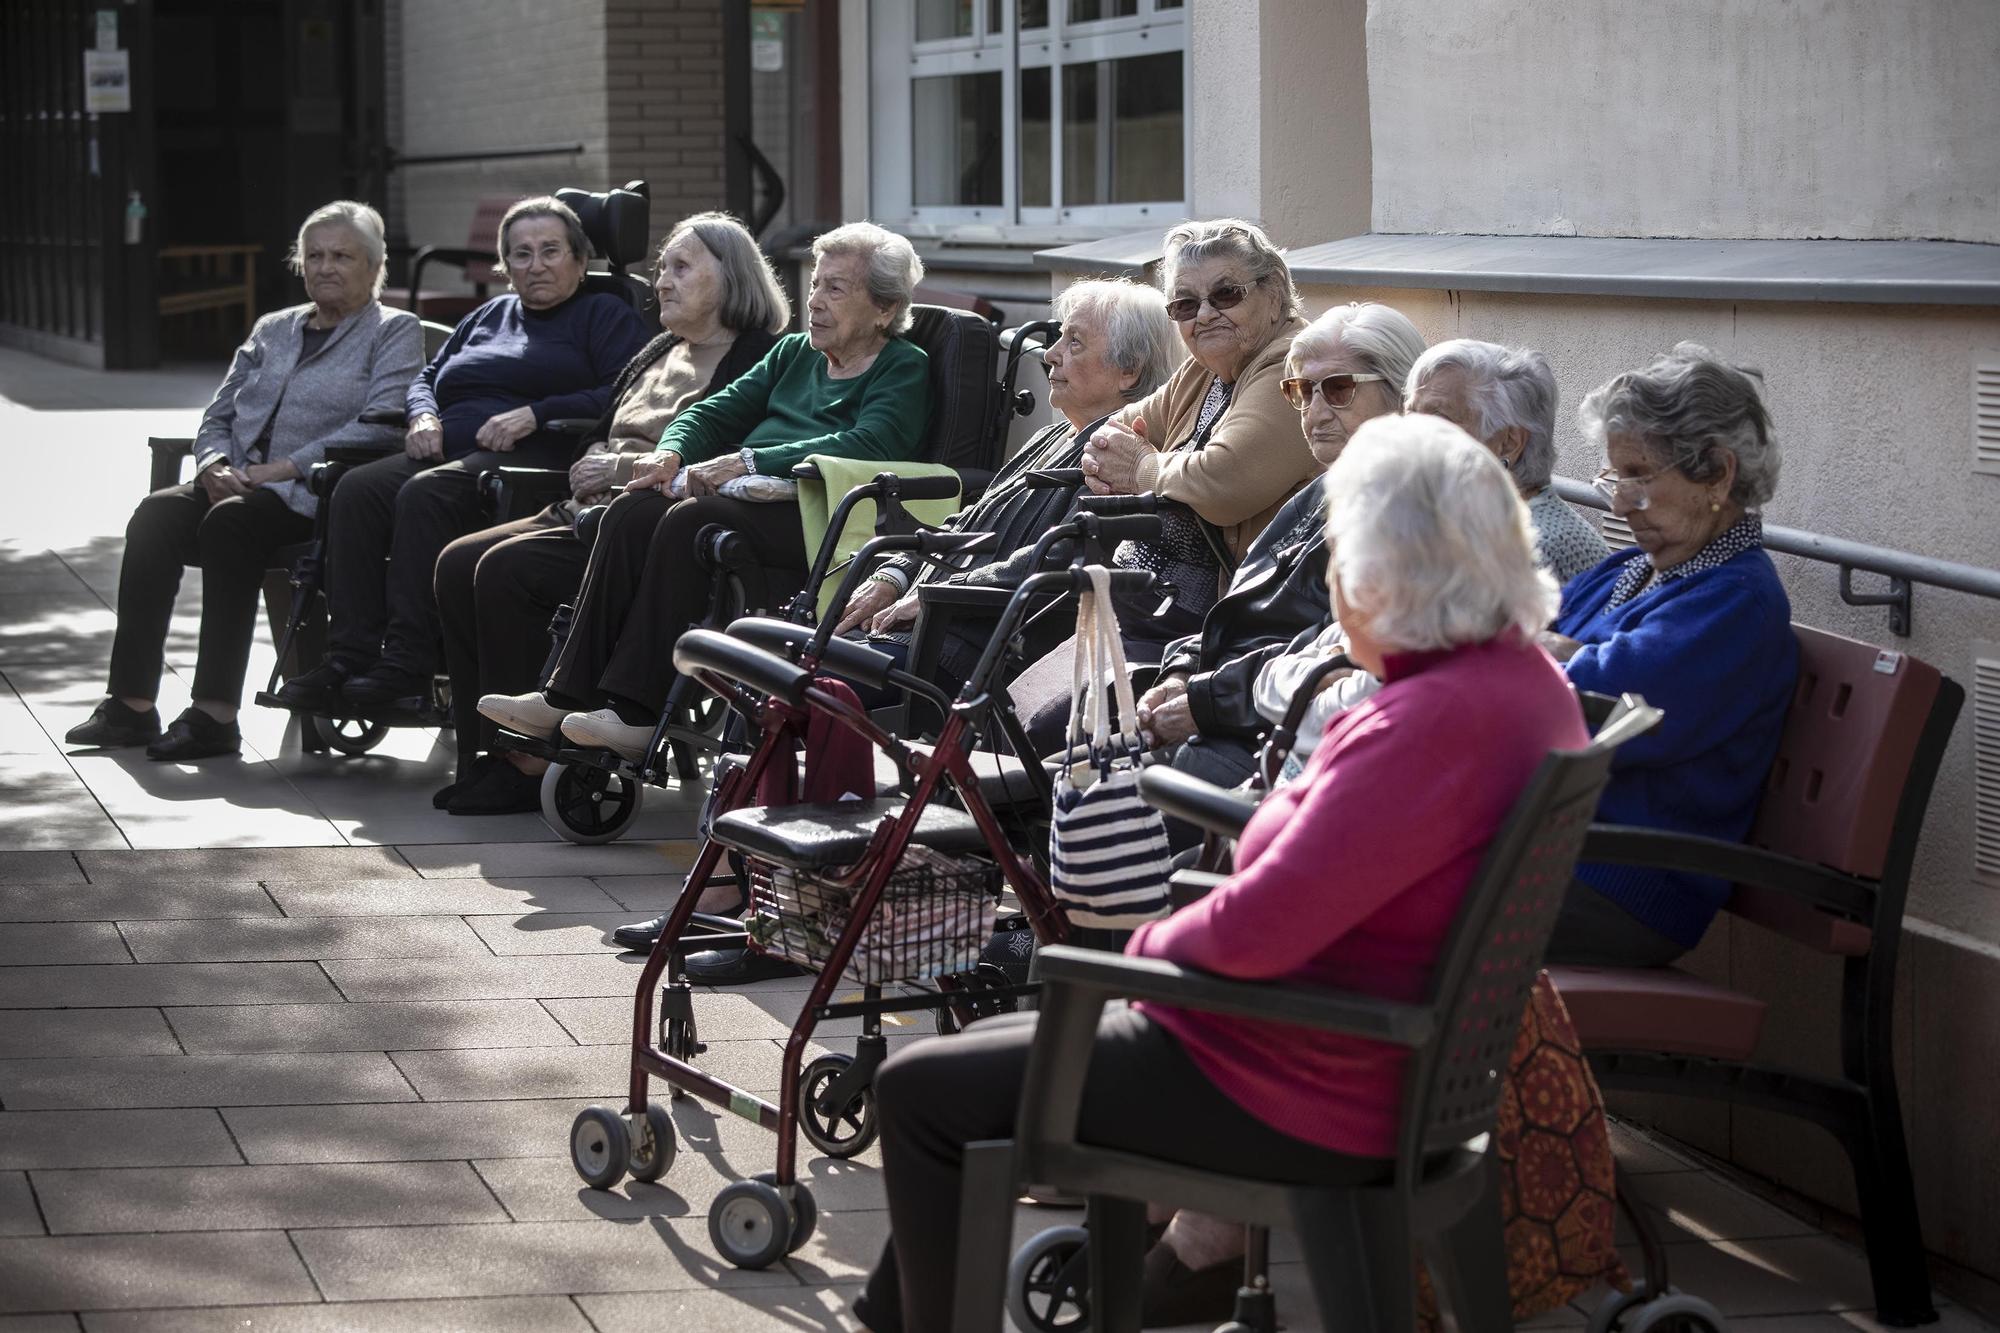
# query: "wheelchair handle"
(1145, 503)
(939, 487)
(1286, 734)
(1126, 528)
(1075, 579)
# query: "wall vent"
(1620, 536)
(1986, 759)
(1986, 414)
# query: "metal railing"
(1903, 570)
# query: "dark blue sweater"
(560, 361)
(1715, 651)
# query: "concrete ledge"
(1879, 272)
(1128, 253)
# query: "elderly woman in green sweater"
(850, 386)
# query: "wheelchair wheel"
(1048, 1283)
(587, 805)
(848, 1131)
(348, 735)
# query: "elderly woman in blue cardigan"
(1695, 620)
(298, 384)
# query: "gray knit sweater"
(365, 365)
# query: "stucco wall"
(1779, 118)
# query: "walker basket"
(933, 918)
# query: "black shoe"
(112, 725)
(467, 775)
(640, 936)
(318, 690)
(500, 790)
(734, 967)
(388, 688)
(196, 735)
(1174, 1294)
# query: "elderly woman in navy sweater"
(1432, 569)
(548, 350)
(1695, 620)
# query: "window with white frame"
(1028, 111)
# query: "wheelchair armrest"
(1202, 804)
(387, 416)
(961, 595)
(842, 657)
(578, 426)
(1187, 886)
(353, 455)
(512, 492)
(972, 483)
(168, 451)
(1815, 885)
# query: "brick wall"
(664, 96)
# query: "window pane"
(937, 19)
(1166, 4)
(1034, 138)
(1086, 11)
(955, 124)
(1034, 13)
(1122, 130)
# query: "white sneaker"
(602, 730)
(523, 714)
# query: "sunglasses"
(1338, 390)
(1226, 297)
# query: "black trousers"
(403, 511)
(232, 543)
(643, 589)
(1593, 931)
(496, 592)
(1143, 1094)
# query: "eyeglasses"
(1632, 490)
(1338, 390)
(1226, 297)
(522, 257)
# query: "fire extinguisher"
(135, 218)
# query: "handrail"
(394, 159)
(1901, 568)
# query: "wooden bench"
(206, 277)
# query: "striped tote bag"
(1108, 853)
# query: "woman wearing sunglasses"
(1695, 619)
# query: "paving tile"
(530, 978)
(200, 1080)
(260, 1198)
(85, 1032)
(1949, 1321)
(50, 807)
(506, 1314)
(404, 1132)
(1707, 1207)
(61, 942)
(162, 983)
(749, 1310)
(38, 1323)
(245, 863)
(552, 858)
(440, 897)
(421, 1025)
(125, 900)
(18, 1215)
(528, 1258)
(302, 938)
(586, 1071)
(50, 867)
(407, 830)
(1784, 1275)
(552, 932)
(718, 1017)
(546, 1189)
(125, 1272)
(114, 1138)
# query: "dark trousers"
(643, 589)
(1593, 931)
(496, 592)
(1221, 762)
(232, 543)
(1041, 693)
(403, 511)
(1143, 1094)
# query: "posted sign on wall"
(107, 81)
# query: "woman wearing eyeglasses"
(546, 350)
(1695, 619)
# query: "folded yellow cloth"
(838, 476)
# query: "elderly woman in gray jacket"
(298, 385)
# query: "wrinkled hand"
(870, 598)
(655, 473)
(425, 439)
(263, 474)
(707, 478)
(221, 481)
(591, 474)
(904, 612)
(502, 432)
(1111, 460)
(1165, 715)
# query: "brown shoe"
(1175, 1294)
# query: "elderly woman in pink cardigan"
(1349, 878)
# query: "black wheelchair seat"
(836, 833)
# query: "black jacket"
(1278, 592)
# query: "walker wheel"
(348, 735)
(805, 1212)
(587, 805)
(600, 1147)
(749, 1225)
(654, 1143)
(1673, 1311)
(1048, 1283)
(846, 1132)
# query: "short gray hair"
(1139, 338)
(1506, 386)
(1380, 335)
(1426, 533)
(893, 267)
(542, 206)
(1689, 407)
(752, 297)
(1232, 238)
(358, 218)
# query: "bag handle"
(1099, 651)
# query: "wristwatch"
(749, 457)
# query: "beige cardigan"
(1255, 459)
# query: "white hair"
(1688, 407)
(358, 218)
(1505, 387)
(1232, 238)
(1139, 338)
(1427, 535)
(1380, 336)
(893, 267)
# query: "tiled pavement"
(284, 1049)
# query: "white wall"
(1869, 119)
